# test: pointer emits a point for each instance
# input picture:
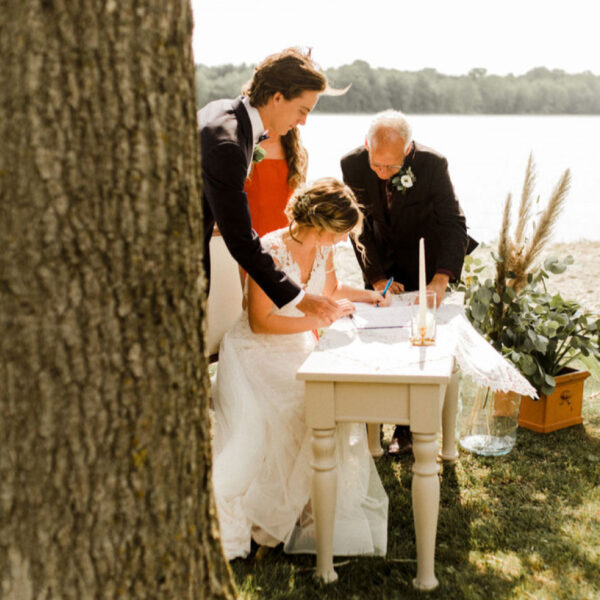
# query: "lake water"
(487, 156)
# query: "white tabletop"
(378, 355)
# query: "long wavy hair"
(296, 157)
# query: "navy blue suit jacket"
(226, 152)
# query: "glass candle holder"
(422, 319)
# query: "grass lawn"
(525, 525)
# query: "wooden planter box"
(561, 409)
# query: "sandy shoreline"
(578, 282)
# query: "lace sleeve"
(274, 245)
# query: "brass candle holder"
(423, 334)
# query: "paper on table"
(368, 316)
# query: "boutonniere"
(404, 179)
(258, 154)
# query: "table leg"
(324, 489)
(449, 411)
(374, 438)
(426, 501)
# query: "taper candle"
(422, 320)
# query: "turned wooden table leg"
(374, 438)
(426, 501)
(324, 489)
(449, 412)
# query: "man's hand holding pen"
(387, 286)
(395, 287)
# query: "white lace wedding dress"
(261, 447)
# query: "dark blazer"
(428, 209)
(226, 152)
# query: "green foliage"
(540, 91)
(224, 81)
(539, 332)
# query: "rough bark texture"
(104, 431)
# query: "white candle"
(422, 320)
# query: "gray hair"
(386, 126)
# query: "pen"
(387, 287)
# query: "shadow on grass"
(539, 519)
(292, 577)
(518, 526)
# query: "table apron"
(416, 404)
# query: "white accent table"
(376, 376)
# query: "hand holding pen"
(387, 287)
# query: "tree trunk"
(105, 459)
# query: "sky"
(451, 36)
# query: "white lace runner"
(387, 349)
(483, 363)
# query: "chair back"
(225, 297)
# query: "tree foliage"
(539, 91)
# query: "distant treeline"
(540, 91)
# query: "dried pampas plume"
(517, 256)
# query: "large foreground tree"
(104, 431)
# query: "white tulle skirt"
(261, 470)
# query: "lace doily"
(388, 348)
(478, 359)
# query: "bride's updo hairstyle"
(326, 204)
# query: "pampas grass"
(518, 255)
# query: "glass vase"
(487, 420)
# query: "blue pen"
(387, 287)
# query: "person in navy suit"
(284, 89)
(406, 193)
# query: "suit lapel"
(244, 128)
(397, 206)
(373, 189)
(373, 192)
(399, 198)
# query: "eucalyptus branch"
(560, 356)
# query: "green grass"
(521, 526)
(526, 525)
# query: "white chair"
(225, 297)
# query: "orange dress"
(268, 192)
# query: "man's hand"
(346, 307)
(438, 284)
(395, 288)
(325, 309)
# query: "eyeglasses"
(386, 167)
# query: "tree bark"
(105, 459)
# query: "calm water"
(487, 156)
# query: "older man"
(407, 194)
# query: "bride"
(261, 470)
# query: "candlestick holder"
(422, 320)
